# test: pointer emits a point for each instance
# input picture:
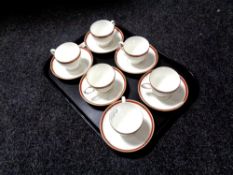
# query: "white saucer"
(165, 104)
(59, 71)
(130, 142)
(124, 63)
(104, 99)
(94, 47)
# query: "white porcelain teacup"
(101, 78)
(67, 54)
(136, 48)
(103, 32)
(163, 81)
(125, 117)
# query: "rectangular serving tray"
(92, 114)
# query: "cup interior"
(164, 79)
(100, 75)
(126, 118)
(136, 45)
(102, 28)
(67, 52)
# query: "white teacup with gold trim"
(163, 81)
(101, 78)
(136, 48)
(126, 117)
(103, 31)
(67, 54)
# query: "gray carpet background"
(40, 133)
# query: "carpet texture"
(40, 133)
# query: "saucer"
(127, 143)
(94, 47)
(104, 99)
(124, 63)
(59, 71)
(165, 104)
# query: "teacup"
(126, 118)
(103, 32)
(163, 81)
(136, 48)
(101, 78)
(67, 54)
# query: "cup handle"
(121, 43)
(146, 86)
(113, 22)
(52, 51)
(89, 90)
(123, 99)
(82, 45)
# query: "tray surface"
(92, 114)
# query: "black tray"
(92, 114)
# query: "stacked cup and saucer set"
(116, 85)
